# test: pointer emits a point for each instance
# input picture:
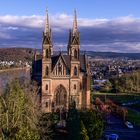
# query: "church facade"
(64, 78)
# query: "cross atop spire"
(75, 22)
(47, 22)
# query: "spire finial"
(75, 22)
(47, 22)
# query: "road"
(117, 126)
(124, 133)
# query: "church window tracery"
(47, 71)
(75, 71)
(47, 53)
(74, 86)
(47, 87)
(75, 54)
(59, 68)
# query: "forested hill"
(16, 54)
(113, 55)
(26, 54)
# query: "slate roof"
(66, 58)
(67, 61)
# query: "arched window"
(59, 68)
(81, 86)
(75, 54)
(47, 104)
(74, 87)
(47, 87)
(47, 70)
(75, 71)
(47, 53)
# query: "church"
(64, 78)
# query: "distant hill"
(16, 54)
(113, 55)
(110, 54)
(26, 54)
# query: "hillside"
(26, 54)
(16, 54)
(113, 55)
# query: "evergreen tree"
(17, 114)
(83, 132)
(73, 124)
(93, 123)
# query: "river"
(8, 75)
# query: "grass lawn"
(117, 98)
(133, 117)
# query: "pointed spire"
(75, 22)
(47, 22)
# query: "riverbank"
(7, 75)
(14, 69)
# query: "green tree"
(45, 126)
(27, 134)
(17, 114)
(93, 123)
(127, 83)
(83, 132)
(73, 124)
(107, 86)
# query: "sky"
(104, 25)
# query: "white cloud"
(25, 21)
(121, 34)
(65, 21)
(122, 47)
(12, 28)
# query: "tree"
(127, 83)
(25, 134)
(98, 102)
(93, 123)
(45, 127)
(107, 86)
(18, 117)
(73, 124)
(83, 132)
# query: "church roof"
(66, 58)
(67, 61)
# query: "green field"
(117, 98)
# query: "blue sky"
(104, 25)
(85, 8)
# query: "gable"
(75, 40)
(60, 67)
(47, 39)
(65, 61)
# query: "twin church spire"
(47, 23)
(75, 22)
(47, 28)
(74, 39)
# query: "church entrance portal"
(60, 97)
